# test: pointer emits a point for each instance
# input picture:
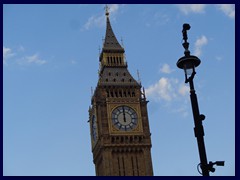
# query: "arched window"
(120, 93)
(133, 94)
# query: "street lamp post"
(188, 63)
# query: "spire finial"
(138, 74)
(91, 91)
(103, 40)
(122, 42)
(106, 10)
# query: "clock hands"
(124, 118)
(124, 115)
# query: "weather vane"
(106, 10)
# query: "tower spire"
(110, 42)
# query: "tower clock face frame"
(124, 118)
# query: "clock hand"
(124, 116)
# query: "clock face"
(94, 128)
(124, 118)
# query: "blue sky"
(50, 63)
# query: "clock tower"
(118, 117)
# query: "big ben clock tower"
(118, 118)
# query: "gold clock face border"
(93, 113)
(135, 107)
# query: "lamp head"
(186, 27)
(188, 63)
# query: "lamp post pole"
(189, 63)
(198, 129)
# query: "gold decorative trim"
(135, 107)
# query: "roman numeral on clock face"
(124, 118)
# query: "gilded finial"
(106, 10)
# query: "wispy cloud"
(99, 21)
(166, 69)
(227, 9)
(191, 8)
(183, 110)
(161, 18)
(169, 92)
(18, 56)
(7, 54)
(162, 90)
(183, 89)
(200, 42)
(21, 48)
(34, 59)
(113, 8)
(166, 89)
(219, 58)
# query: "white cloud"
(183, 110)
(161, 18)
(7, 53)
(167, 89)
(21, 48)
(200, 42)
(99, 21)
(166, 69)
(162, 90)
(219, 58)
(21, 59)
(227, 9)
(113, 8)
(34, 59)
(183, 89)
(191, 8)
